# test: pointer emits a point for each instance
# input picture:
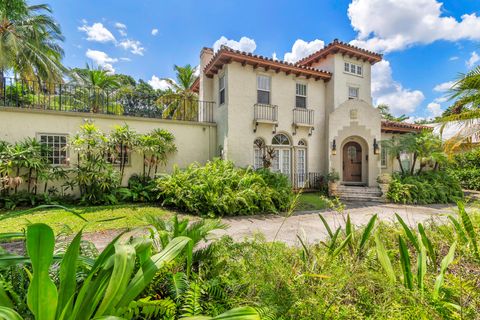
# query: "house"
(316, 114)
(307, 118)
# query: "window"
(281, 161)
(118, 156)
(301, 96)
(281, 139)
(263, 89)
(221, 90)
(56, 152)
(353, 68)
(405, 160)
(301, 164)
(383, 157)
(352, 93)
(258, 150)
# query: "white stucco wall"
(194, 141)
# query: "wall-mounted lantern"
(376, 149)
(334, 147)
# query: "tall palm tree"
(465, 113)
(29, 41)
(179, 101)
(97, 87)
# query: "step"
(360, 193)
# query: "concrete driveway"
(309, 226)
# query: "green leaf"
(427, 244)
(446, 261)
(242, 313)
(408, 232)
(337, 251)
(366, 233)
(42, 296)
(148, 270)
(9, 314)
(405, 263)
(68, 276)
(4, 299)
(468, 226)
(458, 228)
(384, 259)
(327, 227)
(421, 264)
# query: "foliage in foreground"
(219, 188)
(426, 188)
(466, 168)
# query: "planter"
(332, 188)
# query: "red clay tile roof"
(196, 85)
(340, 47)
(226, 55)
(402, 127)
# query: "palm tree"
(97, 88)
(29, 41)
(179, 101)
(385, 113)
(465, 113)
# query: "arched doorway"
(352, 162)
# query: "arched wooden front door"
(352, 162)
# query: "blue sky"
(425, 43)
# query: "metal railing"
(303, 116)
(37, 95)
(265, 112)
(309, 181)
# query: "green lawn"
(310, 201)
(121, 216)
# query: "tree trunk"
(400, 163)
(412, 170)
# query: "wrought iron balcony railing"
(124, 101)
(303, 117)
(265, 113)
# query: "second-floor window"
(353, 68)
(352, 93)
(301, 95)
(263, 89)
(221, 90)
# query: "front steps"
(359, 193)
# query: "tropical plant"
(386, 114)
(122, 143)
(29, 41)
(156, 146)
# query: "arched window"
(281, 139)
(302, 143)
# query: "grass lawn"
(311, 201)
(114, 217)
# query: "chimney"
(206, 85)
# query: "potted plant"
(384, 183)
(332, 179)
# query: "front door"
(352, 162)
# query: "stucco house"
(312, 117)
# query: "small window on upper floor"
(221, 90)
(353, 68)
(263, 89)
(352, 93)
(301, 95)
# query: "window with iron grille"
(56, 151)
(301, 95)
(263, 89)
(221, 90)
(352, 93)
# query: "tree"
(29, 41)
(385, 113)
(180, 102)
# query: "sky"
(426, 43)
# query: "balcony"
(303, 117)
(60, 97)
(265, 113)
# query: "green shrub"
(426, 188)
(219, 188)
(466, 168)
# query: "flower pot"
(332, 188)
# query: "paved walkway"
(307, 224)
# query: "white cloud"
(387, 91)
(121, 28)
(245, 44)
(440, 99)
(435, 109)
(414, 119)
(158, 83)
(102, 59)
(453, 58)
(474, 58)
(197, 71)
(125, 59)
(97, 32)
(274, 56)
(445, 86)
(134, 46)
(389, 25)
(154, 32)
(301, 49)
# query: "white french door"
(282, 161)
(301, 167)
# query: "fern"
(192, 301)
(178, 285)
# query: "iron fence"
(124, 101)
(266, 112)
(309, 181)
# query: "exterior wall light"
(376, 149)
(334, 147)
